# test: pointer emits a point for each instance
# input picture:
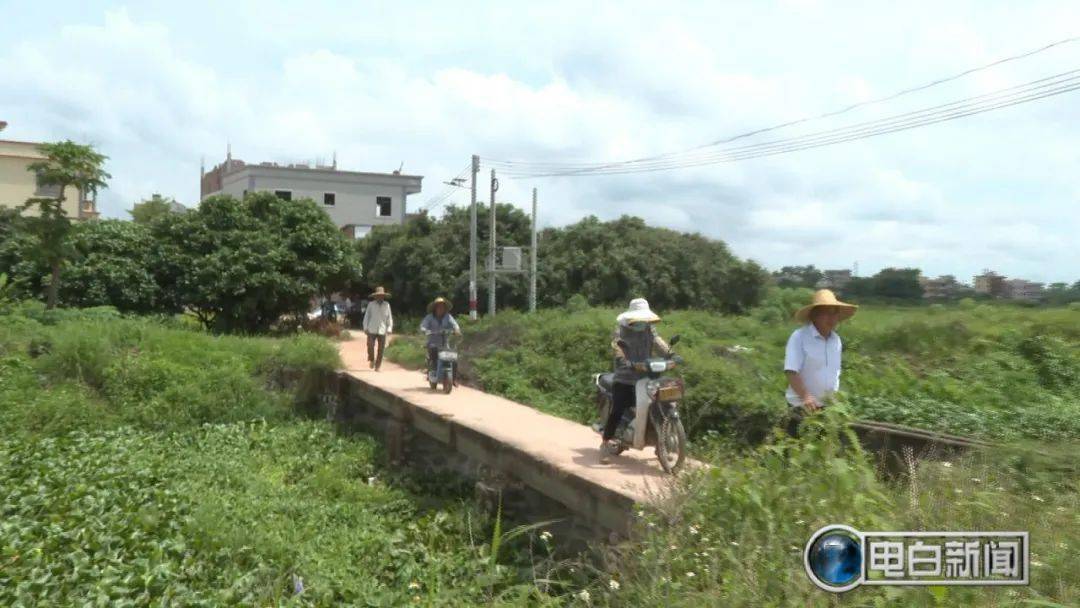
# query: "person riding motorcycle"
(635, 329)
(435, 324)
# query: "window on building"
(44, 191)
(382, 206)
(329, 199)
(285, 195)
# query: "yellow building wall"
(17, 184)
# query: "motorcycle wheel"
(671, 445)
(447, 383)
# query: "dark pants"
(623, 397)
(371, 341)
(795, 417)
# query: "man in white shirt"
(378, 323)
(812, 357)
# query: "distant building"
(942, 288)
(990, 283)
(174, 207)
(836, 280)
(355, 201)
(18, 183)
(1020, 289)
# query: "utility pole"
(532, 259)
(491, 250)
(472, 240)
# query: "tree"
(67, 164)
(111, 267)
(798, 276)
(149, 210)
(898, 284)
(240, 265)
(426, 257)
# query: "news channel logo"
(840, 558)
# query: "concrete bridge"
(509, 441)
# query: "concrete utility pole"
(491, 250)
(532, 259)
(472, 240)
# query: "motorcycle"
(654, 421)
(442, 368)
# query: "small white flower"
(693, 531)
(641, 513)
(370, 481)
(613, 585)
(1004, 514)
(734, 544)
(673, 548)
(545, 536)
(690, 575)
(958, 490)
(1061, 509)
(976, 480)
(414, 585)
(800, 522)
(947, 465)
(584, 596)
(652, 524)
(1036, 498)
(1037, 564)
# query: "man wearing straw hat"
(636, 331)
(378, 322)
(812, 356)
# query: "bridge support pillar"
(395, 441)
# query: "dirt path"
(570, 447)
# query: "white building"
(355, 201)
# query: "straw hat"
(638, 311)
(825, 297)
(379, 291)
(439, 300)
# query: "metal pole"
(491, 250)
(472, 240)
(532, 259)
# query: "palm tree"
(67, 164)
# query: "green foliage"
(110, 268)
(798, 276)
(67, 164)
(240, 265)
(607, 263)
(897, 284)
(611, 262)
(424, 257)
(149, 210)
(1001, 373)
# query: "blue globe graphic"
(836, 559)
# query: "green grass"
(996, 372)
(143, 462)
(146, 463)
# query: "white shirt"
(378, 320)
(817, 361)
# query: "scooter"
(442, 369)
(654, 421)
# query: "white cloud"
(156, 89)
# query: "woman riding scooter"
(636, 332)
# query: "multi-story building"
(1020, 289)
(355, 201)
(18, 183)
(990, 283)
(944, 287)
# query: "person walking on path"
(812, 356)
(378, 323)
(438, 321)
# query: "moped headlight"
(657, 367)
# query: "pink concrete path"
(570, 447)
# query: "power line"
(1032, 91)
(436, 201)
(553, 166)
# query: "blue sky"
(158, 85)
